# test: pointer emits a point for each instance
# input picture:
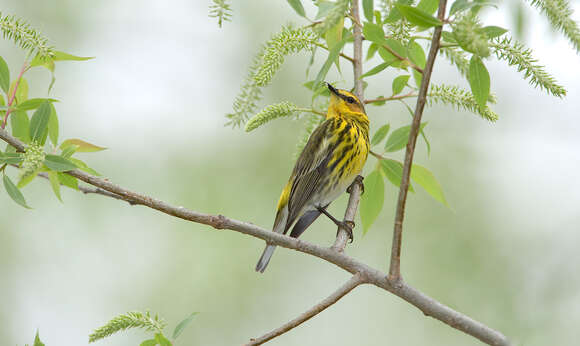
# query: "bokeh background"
(156, 94)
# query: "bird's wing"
(310, 168)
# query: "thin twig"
(90, 190)
(341, 54)
(13, 96)
(427, 305)
(402, 58)
(313, 311)
(395, 266)
(391, 98)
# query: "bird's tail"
(265, 259)
(279, 227)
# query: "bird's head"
(344, 103)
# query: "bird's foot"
(358, 180)
(347, 226)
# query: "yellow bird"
(331, 160)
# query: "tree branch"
(313, 311)
(402, 58)
(391, 98)
(395, 267)
(342, 235)
(427, 305)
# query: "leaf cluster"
(221, 10)
(39, 131)
(23, 35)
(559, 13)
(143, 321)
(265, 65)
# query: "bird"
(330, 162)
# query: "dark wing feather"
(310, 168)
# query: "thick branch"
(313, 311)
(395, 267)
(427, 305)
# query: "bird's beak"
(332, 89)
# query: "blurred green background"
(156, 95)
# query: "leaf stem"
(13, 95)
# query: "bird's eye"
(350, 100)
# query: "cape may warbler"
(331, 160)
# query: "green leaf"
(37, 341)
(69, 151)
(14, 192)
(20, 125)
(411, 113)
(462, 5)
(378, 19)
(53, 126)
(393, 170)
(68, 181)
(397, 47)
(426, 179)
(25, 180)
(162, 340)
(297, 6)
(83, 166)
(418, 17)
(380, 134)
(372, 200)
(494, 31)
(10, 158)
(62, 56)
(416, 54)
(55, 184)
(21, 94)
(479, 80)
(181, 326)
(399, 83)
(374, 33)
(388, 57)
(33, 103)
(371, 51)
(376, 69)
(459, 5)
(39, 123)
(324, 7)
(4, 76)
(83, 147)
(399, 138)
(368, 9)
(58, 163)
(428, 6)
(332, 55)
(333, 36)
(150, 342)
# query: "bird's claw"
(357, 180)
(347, 226)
